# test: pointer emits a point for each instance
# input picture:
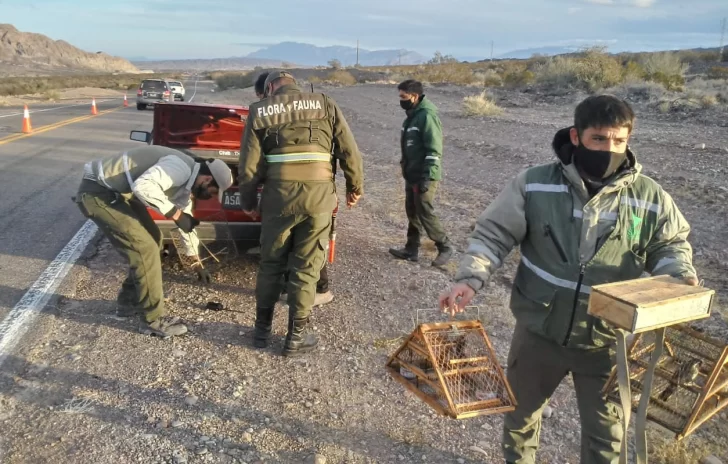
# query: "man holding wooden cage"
(588, 218)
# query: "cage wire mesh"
(222, 248)
(452, 367)
(690, 384)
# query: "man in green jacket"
(421, 145)
(588, 218)
(287, 145)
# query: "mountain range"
(294, 54)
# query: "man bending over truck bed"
(115, 193)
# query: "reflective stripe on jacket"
(569, 242)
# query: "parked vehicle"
(206, 131)
(152, 91)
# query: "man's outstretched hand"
(456, 299)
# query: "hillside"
(27, 53)
(311, 55)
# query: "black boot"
(263, 327)
(445, 251)
(299, 339)
(410, 252)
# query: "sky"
(178, 29)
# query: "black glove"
(186, 222)
(424, 185)
(203, 275)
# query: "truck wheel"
(141, 106)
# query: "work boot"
(124, 312)
(323, 298)
(409, 253)
(165, 327)
(263, 327)
(444, 253)
(299, 339)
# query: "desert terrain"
(83, 387)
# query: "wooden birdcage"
(678, 401)
(453, 368)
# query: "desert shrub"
(235, 80)
(517, 78)
(52, 95)
(488, 78)
(480, 105)
(633, 72)
(446, 73)
(341, 77)
(591, 70)
(666, 69)
(718, 72)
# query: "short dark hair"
(260, 83)
(603, 111)
(411, 86)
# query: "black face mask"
(406, 104)
(200, 192)
(597, 164)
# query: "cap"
(222, 174)
(273, 75)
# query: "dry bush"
(52, 95)
(480, 105)
(633, 72)
(718, 72)
(489, 78)
(590, 70)
(667, 69)
(235, 80)
(668, 451)
(341, 77)
(446, 73)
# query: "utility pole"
(722, 37)
(491, 50)
(357, 53)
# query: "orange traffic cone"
(27, 129)
(126, 103)
(93, 107)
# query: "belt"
(300, 172)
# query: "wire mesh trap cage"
(453, 368)
(690, 383)
(220, 249)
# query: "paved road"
(40, 173)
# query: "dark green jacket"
(290, 144)
(570, 241)
(422, 143)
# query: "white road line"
(37, 296)
(55, 108)
(195, 91)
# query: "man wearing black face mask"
(588, 218)
(115, 192)
(421, 145)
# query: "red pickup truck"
(207, 131)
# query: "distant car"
(153, 91)
(178, 89)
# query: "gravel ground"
(88, 389)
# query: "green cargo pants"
(536, 366)
(133, 233)
(296, 243)
(420, 211)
